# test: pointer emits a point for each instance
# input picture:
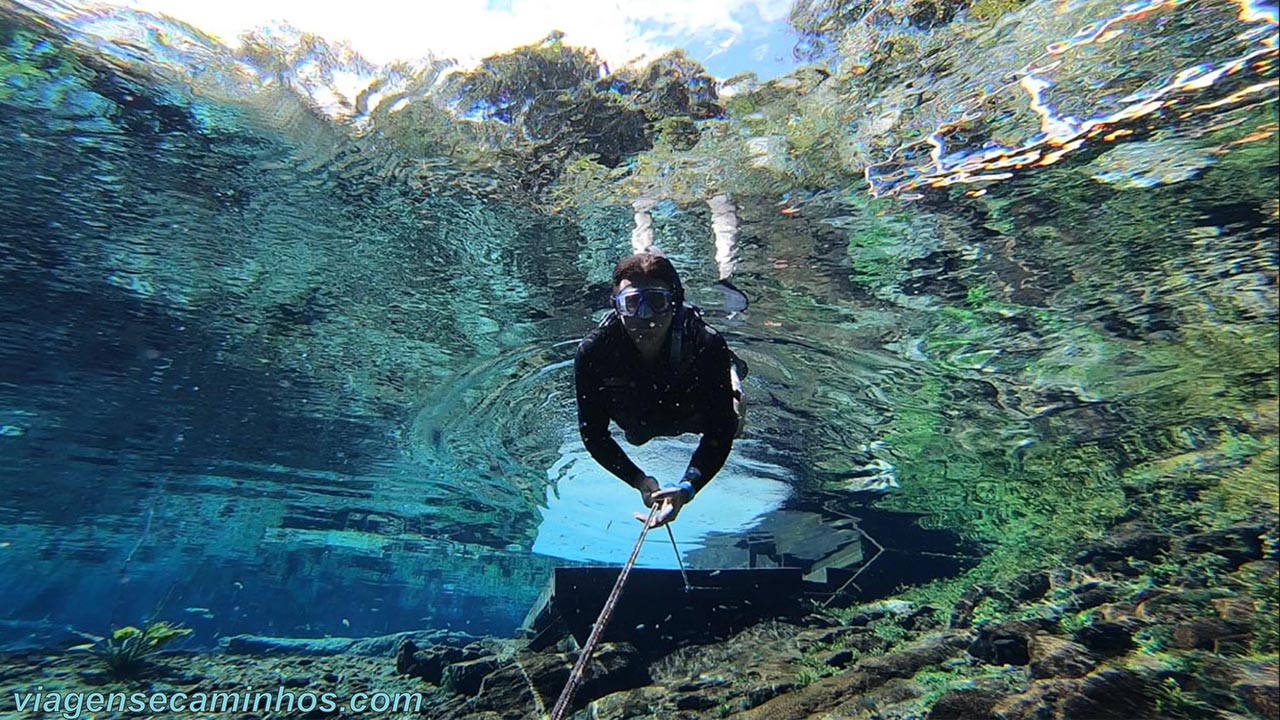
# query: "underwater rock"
(261, 645)
(1112, 693)
(1239, 544)
(387, 645)
(1207, 634)
(24, 635)
(1092, 595)
(383, 645)
(750, 668)
(1030, 586)
(1235, 610)
(626, 703)
(1259, 690)
(1147, 164)
(1008, 643)
(1105, 638)
(838, 659)
(1106, 695)
(695, 702)
(431, 662)
(827, 694)
(1053, 657)
(1130, 540)
(614, 667)
(872, 612)
(1258, 572)
(922, 620)
(1117, 612)
(973, 703)
(962, 613)
(465, 677)
(1176, 606)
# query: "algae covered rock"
(1054, 657)
(537, 679)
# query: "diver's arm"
(593, 420)
(716, 398)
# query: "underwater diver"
(655, 368)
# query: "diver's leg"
(642, 233)
(724, 223)
(739, 398)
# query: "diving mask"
(632, 301)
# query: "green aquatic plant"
(1229, 481)
(889, 631)
(36, 70)
(988, 10)
(1153, 640)
(1258, 585)
(1249, 490)
(1203, 570)
(936, 681)
(978, 295)
(1070, 623)
(809, 674)
(128, 649)
(1173, 701)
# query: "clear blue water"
(274, 368)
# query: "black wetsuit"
(689, 393)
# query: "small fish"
(237, 585)
(346, 622)
(640, 626)
(197, 610)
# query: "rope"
(683, 574)
(579, 668)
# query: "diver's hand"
(648, 487)
(670, 500)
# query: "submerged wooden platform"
(807, 552)
(656, 610)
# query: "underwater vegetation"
(127, 651)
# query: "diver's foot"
(735, 301)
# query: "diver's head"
(647, 293)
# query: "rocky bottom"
(1142, 626)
